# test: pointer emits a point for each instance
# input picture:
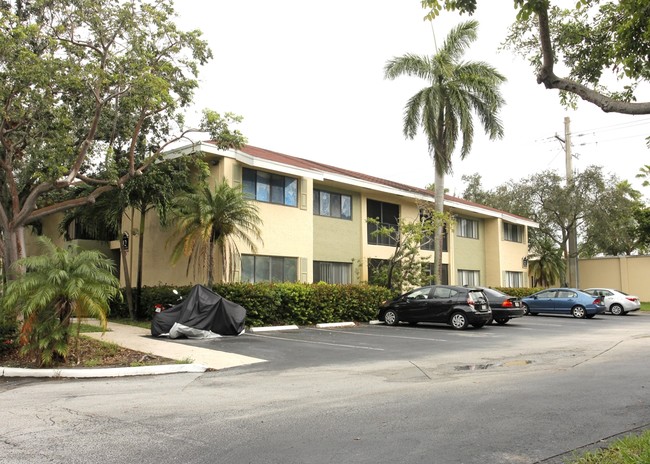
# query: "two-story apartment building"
(315, 225)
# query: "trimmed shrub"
(279, 304)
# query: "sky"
(308, 79)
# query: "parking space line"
(382, 335)
(316, 343)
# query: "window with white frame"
(468, 277)
(467, 227)
(332, 273)
(268, 269)
(513, 232)
(514, 279)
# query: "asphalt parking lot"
(311, 346)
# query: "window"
(429, 271)
(270, 188)
(513, 232)
(466, 277)
(332, 273)
(334, 205)
(467, 227)
(268, 269)
(428, 242)
(444, 292)
(514, 279)
(388, 216)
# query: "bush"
(279, 304)
(519, 292)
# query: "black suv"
(453, 305)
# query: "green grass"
(634, 449)
(645, 306)
(127, 321)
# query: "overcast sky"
(308, 79)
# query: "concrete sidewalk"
(140, 339)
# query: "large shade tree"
(208, 221)
(444, 109)
(595, 40)
(74, 76)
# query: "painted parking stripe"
(317, 343)
(382, 335)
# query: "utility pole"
(572, 257)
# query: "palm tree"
(205, 220)
(547, 265)
(57, 285)
(444, 108)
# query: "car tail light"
(632, 299)
(470, 302)
(507, 304)
(598, 301)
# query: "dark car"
(456, 306)
(564, 301)
(504, 307)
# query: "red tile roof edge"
(314, 165)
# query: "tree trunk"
(211, 264)
(439, 208)
(127, 282)
(138, 283)
(14, 249)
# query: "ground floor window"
(268, 269)
(467, 277)
(332, 273)
(514, 279)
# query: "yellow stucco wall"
(335, 239)
(626, 273)
(469, 253)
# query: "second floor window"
(270, 188)
(513, 232)
(467, 227)
(336, 205)
(388, 216)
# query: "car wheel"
(616, 309)
(526, 310)
(390, 317)
(578, 312)
(502, 320)
(458, 321)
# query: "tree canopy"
(595, 40)
(82, 84)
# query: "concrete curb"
(325, 325)
(272, 328)
(87, 373)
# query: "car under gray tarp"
(202, 314)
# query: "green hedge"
(278, 304)
(519, 291)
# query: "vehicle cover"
(202, 314)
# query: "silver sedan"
(617, 302)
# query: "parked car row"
(461, 306)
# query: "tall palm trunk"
(439, 207)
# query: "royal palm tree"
(206, 219)
(57, 285)
(444, 109)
